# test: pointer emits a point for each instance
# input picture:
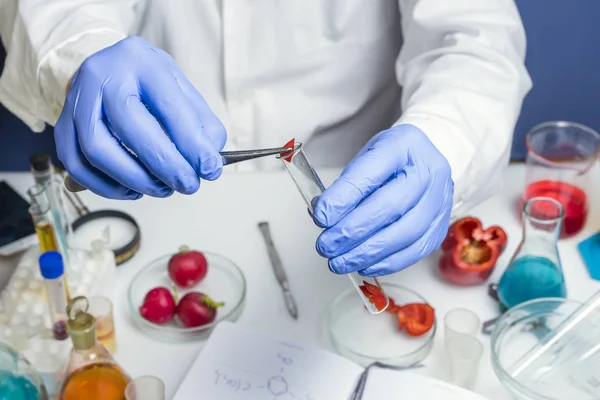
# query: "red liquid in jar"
(573, 200)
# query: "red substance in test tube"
(287, 156)
(573, 200)
(374, 294)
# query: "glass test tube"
(41, 214)
(43, 174)
(52, 268)
(310, 186)
(42, 219)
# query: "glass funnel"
(535, 270)
(559, 156)
(18, 378)
(310, 186)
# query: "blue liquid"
(529, 278)
(17, 388)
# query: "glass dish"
(366, 338)
(521, 329)
(224, 282)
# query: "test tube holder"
(24, 315)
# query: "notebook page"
(385, 384)
(238, 364)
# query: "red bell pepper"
(470, 253)
(374, 294)
(287, 155)
(416, 318)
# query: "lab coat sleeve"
(463, 77)
(46, 41)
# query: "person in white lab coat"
(418, 98)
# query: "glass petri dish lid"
(566, 370)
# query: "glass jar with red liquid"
(559, 156)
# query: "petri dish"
(225, 282)
(558, 375)
(366, 338)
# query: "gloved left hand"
(389, 208)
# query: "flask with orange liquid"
(92, 373)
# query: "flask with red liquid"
(559, 156)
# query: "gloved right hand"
(133, 94)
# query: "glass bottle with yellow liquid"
(92, 373)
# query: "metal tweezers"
(229, 157)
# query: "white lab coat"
(331, 73)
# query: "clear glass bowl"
(224, 282)
(527, 325)
(366, 338)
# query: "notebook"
(239, 364)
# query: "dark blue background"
(563, 54)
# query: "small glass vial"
(535, 270)
(52, 269)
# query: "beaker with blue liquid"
(535, 270)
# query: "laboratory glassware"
(463, 349)
(19, 379)
(460, 321)
(228, 279)
(559, 156)
(91, 373)
(463, 359)
(547, 349)
(52, 269)
(145, 388)
(359, 337)
(310, 186)
(43, 221)
(101, 309)
(535, 269)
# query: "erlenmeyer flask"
(535, 270)
(92, 373)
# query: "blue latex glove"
(128, 93)
(389, 208)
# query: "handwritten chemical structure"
(276, 386)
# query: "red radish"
(158, 306)
(197, 309)
(188, 267)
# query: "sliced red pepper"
(416, 318)
(287, 155)
(469, 253)
(374, 294)
(392, 307)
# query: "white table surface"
(222, 217)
